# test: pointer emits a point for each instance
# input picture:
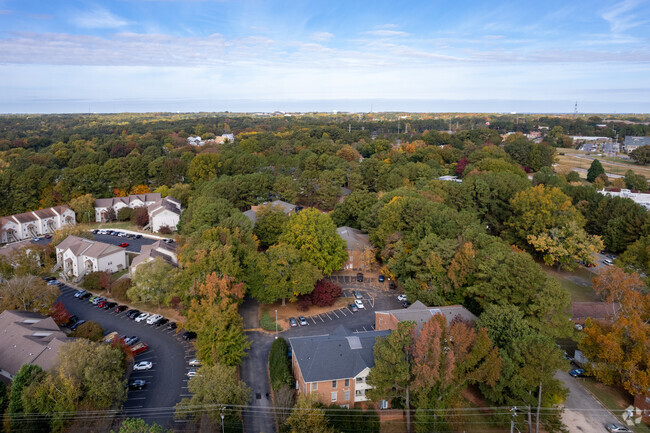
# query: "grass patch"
(577, 283)
(267, 323)
(614, 399)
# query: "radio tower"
(575, 110)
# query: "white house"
(165, 212)
(79, 256)
(102, 205)
(35, 223)
(641, 198)
(149, 252)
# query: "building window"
(347, 382)
(345, 406)
(383, 404)
(359, 392)
(314, 386)
(334, 396)
(346, 395)
(360, 379)
(333, 384)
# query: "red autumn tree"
(59, 314)
(140, 216)
(325, 293)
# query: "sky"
(301, 55)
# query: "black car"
(128, 313)
(49, 278)
(137, 384)
(381, 278)
(85, 296)
(94, 231)
(405, 304)
(71, 321)
(77, 324)
(109, 305)
(138, 236)
(121, 308)
(134, 314)
(360, 277)
(172, 325)
(162, 321)
(392, 285)
(189, 335)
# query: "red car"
(124, 244)
(139, 348)
(101, 304)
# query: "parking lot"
(166, 381)
(135, 245)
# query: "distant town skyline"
(217, 55)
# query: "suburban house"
(334, 367)
(35, 223)
(599, 311)
(357, 246)
(420, 314)
(450, 178)
(149, 252)
(642, 198)
(286, 207)
(103, 205)
(79, 256)
(165, 212)
(27, 338)
(633, 143)
(195, 141)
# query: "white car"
(153, 319)
(401, 298)
(143, 365)
(195, 362)
(141, 317)
(359, 303)
(191, 373)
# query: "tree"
(30, 260)
(641, 155)
(140, 216)
(59, 314)
(618, 350)
(595, 170)
(154, 281)
(214, 385)
(635, 181)
(353, 209)
(27, 293)
(565, 246)
(284, 275)
(306, 416)
(89, 330)
(27, 375)
(636, 257)
(84, 207)
(124, 213)
(204, 167)
(392, 374)
(280, 365)
(214, 316)
(325, 293)
(181, 192)
(62, 234)
(269, 224)
(140, 189)
(314, 235)
(138, 425)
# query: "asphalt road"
(583, 413)
(166, 381)
(135, 245)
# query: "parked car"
(53, 283)
(194, 362)
(359, 303)
(109, 305)
(357, 294)
(128, 313)
(293, 322)
(172, 325)
(102, 303)
(616, 428)
(192, 373)
(392, 285)
(139, 348)
(143, 365)
(123, 244)
(302, 321)
(611, 256)
(48, 236)
(71, 321)
(98, 300)
(130, 341)
(36, 239)
(353, 308)
(49, 278)
(153, 319)
(381, 278)
(405, 304)
(142, 316)
(85, 296)
(133, 314)
(189, 335)
(608, 262)
(80, 293)
(110, 337)
(161, 321)
(77, 324)
(360, 277)
(137, 384)
(401, 297)
(578, 372)
(121, 308)
(138, 236)
(169, 241)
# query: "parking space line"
(321, 319)
(132, 407)
(328, 316)
(342, 311)
(312, 318)
(137, 398)
(334, 312)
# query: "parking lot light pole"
(276, 324)
(222, 430)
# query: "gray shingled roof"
(421, 314)
(89, 248)
(331, 357)
(355, 239)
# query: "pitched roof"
(80, 246)
(340, 355)
(251, 215)
(354, 239)
(157, 249)
(637, 141)
(421, 314)
(25, 217)
(163, 205)
(145, 198)
(28, 338)
(45, 213)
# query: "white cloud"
(322, 36)
(98, 18)
(386, 26)
(386, 33)
(621, 16)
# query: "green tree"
(284, 275)
(353, 209)
(641, 155)
(214, 385)
(635, 181)
(90, 330)
(306, 416)
(138, 425)
(392, 375)
(270, 224)
(154, 281)
(595, 170)
(214, 315)
(84, 207)
(565, 246)
(27, 375)
(124, 214)
(181, 192)
(27, 293)
(280, 365)
(314, 235)
(204, 167)
(636, 257)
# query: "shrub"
(304, 302)
(268, 323)
(325, 293)
(165, 230)
(91, 282)
(280, 365)
(357, 420)
(124, 214)
(140, 216)
(90, 330)
(119, 288)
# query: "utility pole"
(512, 420)
(222, 429)
(539, 405)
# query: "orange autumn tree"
(140, 189)
(214, 316)
(619, 350)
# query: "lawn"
(614, 399)
(567, 163)
(577, 283)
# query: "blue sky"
(240, 55)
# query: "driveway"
(166, 381)
(582, 412)
(135, 245)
